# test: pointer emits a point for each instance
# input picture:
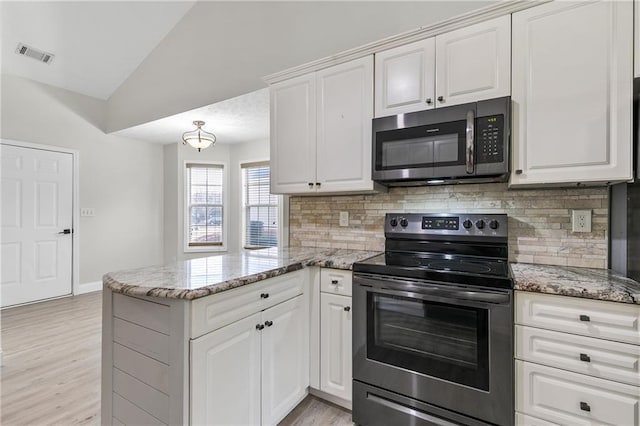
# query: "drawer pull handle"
(585, 358)
(268, 323)
(584, 406)
(259, 327)
(347, 308)
(264, 295)
(334, 282)
(585, 318)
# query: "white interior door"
(37, 206)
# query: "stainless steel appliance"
(443, 145)
(433, 324)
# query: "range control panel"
(455, 224)
(490, 139)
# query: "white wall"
(222, 49)
(121, 178)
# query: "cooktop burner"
(457, 248)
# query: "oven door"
(447, 345)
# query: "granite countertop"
(191, 279)
(600, 284)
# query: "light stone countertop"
(191, 279)
(600, 284)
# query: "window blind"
(205, 204)
(260, 207)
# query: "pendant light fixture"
(198, 138)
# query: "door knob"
(347, 308)
(66, 231)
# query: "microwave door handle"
(471, 120)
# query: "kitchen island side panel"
(149, 354)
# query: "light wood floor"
(51, 367)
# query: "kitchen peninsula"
(224, 338)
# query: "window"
(205, 205)
(259, 206)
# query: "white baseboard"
(333, 399)
(89, 287)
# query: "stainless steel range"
(433, 324)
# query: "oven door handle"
(411, 289)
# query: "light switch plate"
(581, 220)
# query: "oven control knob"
(467, 224)
(480, 224)
(494, 224)
(393, 222)
(404, 222)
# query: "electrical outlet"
(581, 220)
(87, 211)
(344, 218)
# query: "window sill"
(211, 249)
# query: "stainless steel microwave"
(444, 145)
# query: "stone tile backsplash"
(539, 220)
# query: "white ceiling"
(97, 44)
(241, 119)
(154, 58)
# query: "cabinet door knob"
(310, 184)
(318, 184)
(264, 295)
(519, 171)
(268, 323)
(259, 327)
(585, 318)
(440, 98)
(347, 308)
(584, 406)
(585, 358)
(334, 282)
(428, 100)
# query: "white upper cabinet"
(321, 131)
(465, 65)
(474, 63)
(572, 86)
(405, 78)
(345, 99)
(293, 135)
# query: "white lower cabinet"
(225, 375)
(577, 361)
(569, 398)
(253, 371)
(335, 345)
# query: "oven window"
(436, 339)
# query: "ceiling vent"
(36, 54)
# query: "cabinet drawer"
(586, 355)
(574, 399)
(336, 281)
(215, 311)
(593, 318)
(524, 420)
